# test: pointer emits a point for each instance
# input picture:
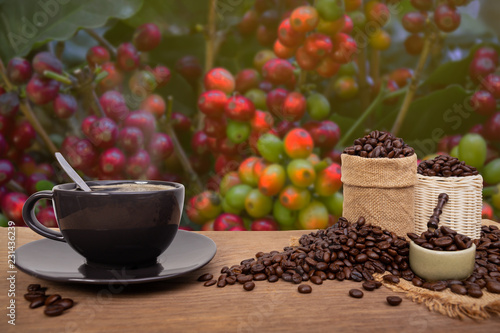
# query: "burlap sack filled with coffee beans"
(382, 190)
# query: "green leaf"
(442, 112)
(44, 185)
(26, 23)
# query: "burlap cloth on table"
(382, 190)
(444, 302)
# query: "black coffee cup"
(125, 223)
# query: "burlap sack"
(381, 190)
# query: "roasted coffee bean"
(458, 289)
(475, 292)
(316, 280)
(394, 300)
(210, 283)
(259, 277)
(297, 278)
(493, 287)
(206, 277)
(224, 270)
(304, 289)
(34, 294)
(356, 293)
(249, 286)
(222, 282)
(53, 310)
(34, 287)
(37, 302)
(231, 280)
(369, 286)
(273, 278)
(391, 278)
(66, 303)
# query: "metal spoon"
(72, 173)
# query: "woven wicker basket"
(463, 210)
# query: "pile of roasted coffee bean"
(379, 145)
(355, 251)
(446, 166)
(442, 239)
(55, 305)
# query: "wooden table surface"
(185, 305)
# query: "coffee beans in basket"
(446, 166)
(55, 305)
(380, 145)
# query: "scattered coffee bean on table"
(446, 166)
(333, 254)
(206, 277)
(304, 289)
(380, 145)
(249, 286)
(210, 283)
(55, 305)
(394, 300)
(369, 286)
(53, 310)
(356, 293)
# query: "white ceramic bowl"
(442, 265)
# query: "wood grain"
(185, 305)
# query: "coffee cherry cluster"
(116, 143)
(288, 187)
(443, 15)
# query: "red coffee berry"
(327, 67)
(294, 106)
(212, 103)
(162, 75)
(147, 37)
(23, 136)
(483, 103)
(246, 79)
(239, 108)
(282, 51)
(199, 143)
(278, 71)
(19, 71)
(318, 45)
(113, 79)
(112, 161)
(492, 84)
(344, 48)
(127, 57)
(145, 121)
(160, 147)
(275, 99)
(114, 106)
(414, 22)
(487, 52)
(97, 55)
(305, 60)
(479, 68)
(219, 79)
(42, 91)
(46, 61)
(103, 133)
(65, 106)
(215, 127)
(288, 36)
(130, 139)
(447, 18)
(248, 23)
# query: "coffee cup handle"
(31, 220)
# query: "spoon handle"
(72, 173)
